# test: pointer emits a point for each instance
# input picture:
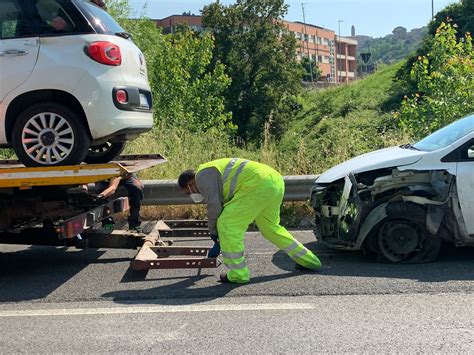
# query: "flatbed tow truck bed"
(45, 206)
(14, 174)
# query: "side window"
(470, 152)
(54, 15)
(27, 18)
(467, 152)
(463, 153)
(9, 18)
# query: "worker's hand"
(216, 249)
(98, 197)
(215, 238)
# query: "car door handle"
(13, 53)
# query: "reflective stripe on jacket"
(230, 169)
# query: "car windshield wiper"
(125, 35)
(408, 146)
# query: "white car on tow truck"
(401, 202)
(73, 85)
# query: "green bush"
(444, 80)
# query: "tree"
(310, 69)
(445, 84)
(459, 13)
(186, 91)
(259, 55)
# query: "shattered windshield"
(446, 135)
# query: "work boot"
(303, 268)
(224, 278)
(135, 227)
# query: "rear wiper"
(125, 35)
(408, 146)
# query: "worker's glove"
(216, 248)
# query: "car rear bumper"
(106, 118)
(126, 134)
(137, 99)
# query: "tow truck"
(48, 206)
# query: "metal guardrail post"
(167, 192)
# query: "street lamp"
(338, 47)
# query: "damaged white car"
(401, 202)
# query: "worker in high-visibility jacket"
(238, 192)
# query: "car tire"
(402, 237)
(49, 134)
(103, 153)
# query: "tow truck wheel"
(403, 237)
(105, 152)
(49, 134)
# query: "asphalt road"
(68, 300)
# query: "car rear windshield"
(447, 135)
(100, 20)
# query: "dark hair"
(185, 177)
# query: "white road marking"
(157, 309)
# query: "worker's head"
(187, 183)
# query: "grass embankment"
(334, 125)
(340, 123)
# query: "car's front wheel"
(105, 152)
(402, 237)
(49, 134)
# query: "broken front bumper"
(338, 212)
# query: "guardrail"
(167, 192)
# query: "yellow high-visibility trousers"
(259, 201)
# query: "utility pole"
(307, 42)
(338, 47)
(432, 9)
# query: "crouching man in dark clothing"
(134, 188)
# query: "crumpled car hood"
(379, 159)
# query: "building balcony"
(349, 74)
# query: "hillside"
(340, 123)
(391, 48)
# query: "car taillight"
(121, 96)
(105, 53)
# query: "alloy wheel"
(47, 138)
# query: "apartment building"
(336, 56)
(170, 23)
(346, 58)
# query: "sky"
(375, 18)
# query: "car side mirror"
(470, 152)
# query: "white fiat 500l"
(401, 202)
(73, 85)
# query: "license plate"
(144, 101)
